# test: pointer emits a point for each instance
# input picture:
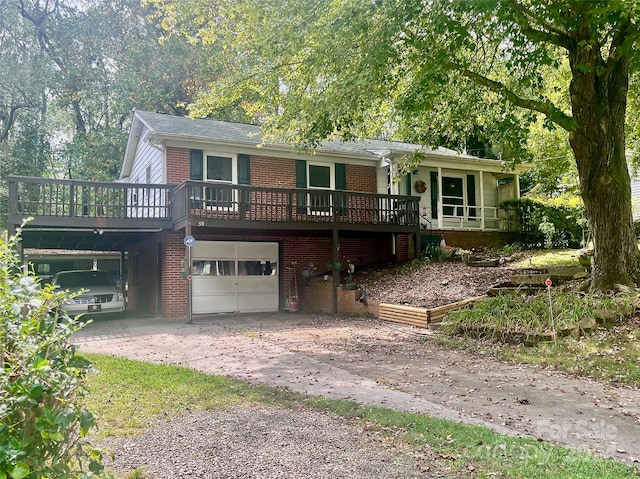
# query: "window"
(452, 196)
(257, 268)
(214, 268)
(219, 168)
(320, 177)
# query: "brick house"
(213, 220)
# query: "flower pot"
(584, 261)
(351, 286)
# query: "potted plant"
(349, 282)
(293, 304)
(337, 266)
(585, 257)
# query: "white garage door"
(234, 276)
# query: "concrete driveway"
(384, 364)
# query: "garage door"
(234, 277)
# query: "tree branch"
(626, 34)
(551, 34)
(545, 107)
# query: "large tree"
(424, 71)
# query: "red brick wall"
(269, 171)
(273, 172)
(178, 165)
(361, 178)
(174, 286)
(319, 299)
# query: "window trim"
(234, 166)
(233, 201)
(332, 175)
(320, 210)
(458, 176)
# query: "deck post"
(335, 274)
(482, 212)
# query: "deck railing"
(192, 200)
(222, 201)
(87, 199)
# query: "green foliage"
(545, 224)
(43, 423)
(433, 252)
(501, 315)
(482, 73)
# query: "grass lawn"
(128, 396)
(547, 257)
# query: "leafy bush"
(547, 225)
(43, 424)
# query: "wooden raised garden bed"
(420, 317)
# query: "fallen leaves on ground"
(431, 284)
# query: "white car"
(94, 292)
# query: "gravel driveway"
(369, 361)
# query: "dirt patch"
(430, 285)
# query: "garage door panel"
(214, 304)
(257, 302)
(214, 249)
(258, 251)
(203, 286)
(258, 284)
(216, 286)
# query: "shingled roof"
(205, 129)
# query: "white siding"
(147, 156)
(381, 180)
(490, 185)
(147, 165)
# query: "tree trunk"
(598, 98)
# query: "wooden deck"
(93, 206)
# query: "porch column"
(439, 197)
(481, 201)
(517, 186)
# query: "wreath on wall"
(421, 186)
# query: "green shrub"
(501, 315)
(547, 225)
(43, 424)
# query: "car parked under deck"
(92, 292)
